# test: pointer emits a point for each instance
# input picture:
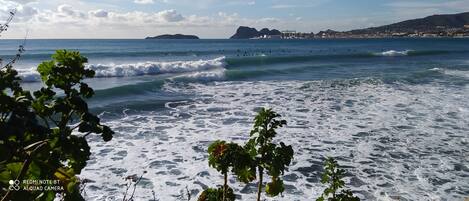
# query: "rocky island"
(244, 32)
(175, 36)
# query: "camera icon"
(14, 185)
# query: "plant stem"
(259, 186)
(225, 185)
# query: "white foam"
(29, 75)
(153, 68)
(144, 68)
(393, 53)
(387, 134)
(211, 75)
(457, 73)
(450, 72)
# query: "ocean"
(394, 112)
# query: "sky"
(207, 18)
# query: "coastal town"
(438, 32)
(435, 26)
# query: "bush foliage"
(43, 134)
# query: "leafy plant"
(267, 156)
(222, 157)
(333, 177)
(217, 194)
(43, 135)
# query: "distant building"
(403, 34)
(430, 35)
(466, 26)
(272, 36)
(288, 34)
(268, 37)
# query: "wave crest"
(393, 53)
(154, 68)
(140, 69)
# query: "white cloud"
(280, 6)
(24, 12)
(240, 2)
(24, 1)
(144, 1)
(99, 13)
(68, 10)
(308, 4)
(170, 16)
(7, 5)
(268, 20)
(76, 21)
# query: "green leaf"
(275, 187)
(216, 194)
(45, 68)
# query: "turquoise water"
(393, 111)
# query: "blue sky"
(207, 18)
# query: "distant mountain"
(175, 36)
(248, 32)
(427, 24)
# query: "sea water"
(394, 112)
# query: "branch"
(135, 185)
(131, 179)
(4, 27)
(19, 52)
(126, 190)
(65, 119)
(75, 127)
(86, 135)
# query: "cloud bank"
(65, 20)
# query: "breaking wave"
(393, 53)
(214, 69)
(154, 68)
(197, 69)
